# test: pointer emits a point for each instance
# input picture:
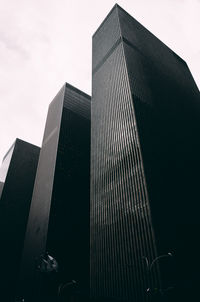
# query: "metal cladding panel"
(121, 231)
(14, 210)
(36, 235)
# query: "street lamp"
(158, 258)
(149, 269)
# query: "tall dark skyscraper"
(17, 176)
(144, 167)
(59, 215)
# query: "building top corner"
(12, 146)
(67, 85)
(115, 7)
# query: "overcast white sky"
(45, 43)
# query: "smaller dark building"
(17, 176)
(59, 214)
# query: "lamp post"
(158, 258)
(149, 266)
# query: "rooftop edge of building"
(15, 142)
(67, 85)
(117, 6)
(64, 86)
(9, 150)
(114, 7)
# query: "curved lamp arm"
(158, 258)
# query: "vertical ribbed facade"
(121, 231)
(144, 165)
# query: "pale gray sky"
(44, 43)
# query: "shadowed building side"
(167, 107)
(59, 217)
(18, 175)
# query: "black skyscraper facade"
(59, 215)
(144, 167)
(17, 174)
